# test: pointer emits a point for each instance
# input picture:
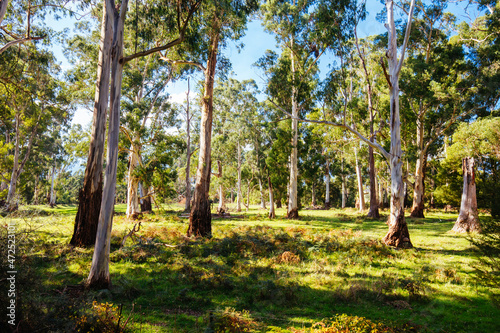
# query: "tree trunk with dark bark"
(468, 219)
(200, 219)
(89, 197)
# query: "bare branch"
(346, 127)
(407, 36)
(19, 41)
(387, 77)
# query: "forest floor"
(326, 272)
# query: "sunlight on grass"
(288, 274)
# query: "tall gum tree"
(99, 271)
(398, 234)
(90, 199)
(304, 26)
(434, 89)
(221, 20)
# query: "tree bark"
(239, 198)
(373, 212)
(145, 199)
(327, 185)
(52, 202)
(344, 196)
(417, 209)
(468, 219)
(293, 209)
(187, 206)
(313, 195)
(261, 191)
(89, 197)
(361, 194)
(272, 213)
(398, 234)
(99, 271)
(200, 219)
(133, 209)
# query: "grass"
(328, 269)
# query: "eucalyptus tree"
(477, 141)
(436, 85)
(304, 31)
(20, 20)
(177, 15)
(398, 234)
(33, 99)
(220, 20)
(237, 104)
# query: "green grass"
(256, 273)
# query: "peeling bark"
(200, 219)
(99, 271)
(468, 219)
(89, 197)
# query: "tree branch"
(407, 36)
(346, 127)
(19, 41)
(184, 62)
(178, 40)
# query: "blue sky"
(256, 42)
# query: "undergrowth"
(252, 276)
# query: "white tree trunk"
(133, 208)
(261, 191)
(468, 219)
(187, 206)
(52, 202)
(221, 198)
(327, 185)
(99, 271)
(239, 198)
(344, 194)
(293, 210)
(361, 194)
(272, 212)
(398, 234)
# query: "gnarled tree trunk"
(468, 219)
(89, 197)
(200, 219)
